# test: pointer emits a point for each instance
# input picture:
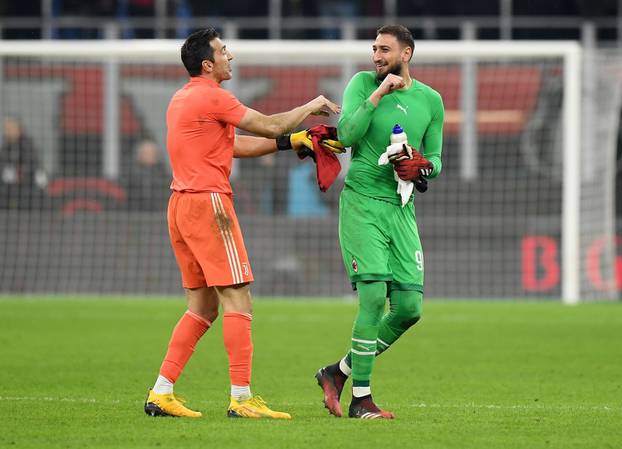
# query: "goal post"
(513, 228)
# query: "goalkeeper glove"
(411, 169)
(406, 153)
(303, 145)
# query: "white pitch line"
(604, 408)
(53, 399)
(607, 408)
(82, 400)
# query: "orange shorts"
(207, 240)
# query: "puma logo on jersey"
(402, 108)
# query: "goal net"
(524, 207)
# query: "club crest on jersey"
(355, 266)
(402, 108)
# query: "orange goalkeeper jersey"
(201, 120)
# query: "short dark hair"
(401, 33)
(197, 49)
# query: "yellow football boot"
(168, 405)
(254, 407)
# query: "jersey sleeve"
(225, 107)
(433, 138)
(356, 111)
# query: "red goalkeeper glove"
(412, 169)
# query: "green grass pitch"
(75, 371)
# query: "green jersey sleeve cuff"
(436, 167)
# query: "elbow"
(274, 130)
(346, 140)
(344, 136)
(275, 133)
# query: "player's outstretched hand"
(323, 106)
(301, 140)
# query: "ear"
(207, 65)
(407, 54)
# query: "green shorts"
(380, 242)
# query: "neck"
(209, 76)
(405, 74)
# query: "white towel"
(404, 188)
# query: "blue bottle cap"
(397, 129)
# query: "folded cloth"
(327, 164)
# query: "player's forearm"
(375, 97)
(433, 144)
(433, 138)
(437, 165)
(284, 122)
(352, 127)
(250, 146)
(432, 148)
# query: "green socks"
(372, 298)
(404, 311)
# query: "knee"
(235, 298)
(409, 311)
(375, 306)
(372, 297)
(203, 302)
(410, 317)
(207, 314)
(210, 315)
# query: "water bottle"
(398, 139)
(398, 136)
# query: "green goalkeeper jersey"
(367, 129)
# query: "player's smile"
(228, 65)
(382, 68)
(222, 59)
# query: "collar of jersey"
(201, 80)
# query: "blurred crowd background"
(84, 175)
(297, 19)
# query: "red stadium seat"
(86, 194)
(502, 107)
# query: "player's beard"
(395, 69)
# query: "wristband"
(283, 143)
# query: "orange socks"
(236, 329)
(190, 328)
